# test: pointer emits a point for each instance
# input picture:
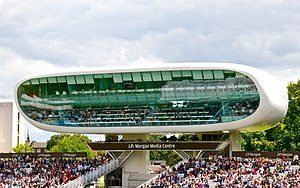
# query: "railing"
(155, 177)
(92, 175)
(143, 123)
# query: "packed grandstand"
(216, 171)
(27, 171)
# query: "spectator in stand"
(25, 171)
(219, 171)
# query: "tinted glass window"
(159, 98)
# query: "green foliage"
(186, 137)
(70, 143)
(155, 137)
(170, 157)
(23, 148)
(283, 137)
(256, 141)
(55, 139)
(289, 140)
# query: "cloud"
(285, 75)
(95, 33)
(14, 67)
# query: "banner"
(269, 154)
(154, 145)
(40, 155)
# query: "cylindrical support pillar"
(199, 135)
(138, 162)
(235, 139)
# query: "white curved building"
(158, 98)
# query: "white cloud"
(14, 67)
(93, 33)
(285, 75)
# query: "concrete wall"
(135, 169)
(9, 121)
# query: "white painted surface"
(8, 126)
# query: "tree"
(55, 139)
(170, 157)
(187, 137)
(283, 137)
(290, 130)
(70, 143)
(23, 148)
(256, 141)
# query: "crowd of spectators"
(166, 114)
(126, 115)
(26, 171)
(219, 172)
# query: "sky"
(39, 36)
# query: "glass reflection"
(164, 98)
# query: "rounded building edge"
(272, 108)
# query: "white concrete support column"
(235, 139)
(137, 165)
(199, 135)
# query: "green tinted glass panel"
(239, 75)
(89, 79)
(43, 80)
(160, 101)
(186, 73)
(176, 73)
(117, 78)
(61, 79)
(218, 74)
(79, 79)
(146, 76)
(207, 74)
(166, 76)
(137, 77)
(127, 77)
(229, 74)
(26, 83)
(197, 74)
(98, 76)
(71, 80)
(34, 82)
(52, 80)
(107, 75)
(156, 76)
